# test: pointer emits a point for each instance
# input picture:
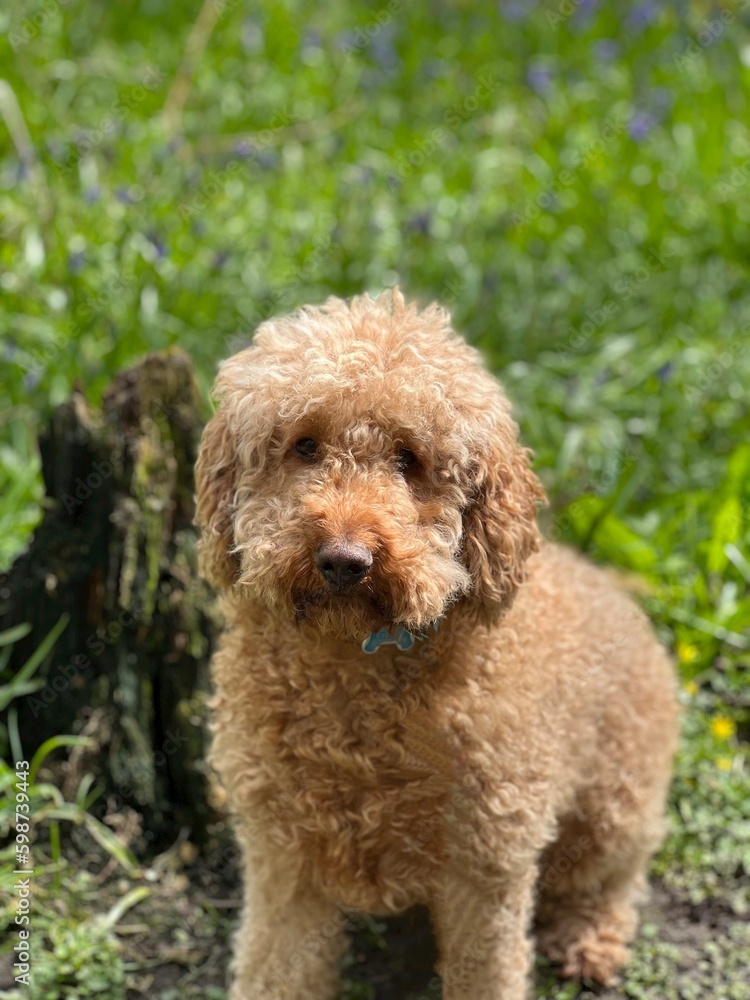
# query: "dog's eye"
(306, 447)
(406, 460)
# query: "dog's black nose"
(343, 563)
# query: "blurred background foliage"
(570, 177)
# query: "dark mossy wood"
(116, 552)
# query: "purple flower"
(515, 10)
(586, 9)
(268, 159)
(311, 39)
(245, 149)
(384, 53)
(583, 15)
(76, 261)
(643, 14)
(606, 49)
(665, 371)
(661, 99)
(539, 78)
(252, 36)
(640, 125)
(92, 194)
(420, 223)
(159, 245)
(436, 69)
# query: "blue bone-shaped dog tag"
(399, 636)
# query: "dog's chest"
(364, 796)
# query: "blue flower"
(268, 159)
(516, 10)
(311, 39)
(384, 53)
(158, 244)
(420, 223)
(539, 78)
(643, 14)
(586, 10)
(579, 17)
(640, 125)
(661, 99)
(606, 49)
(245, 149)
(76, 261)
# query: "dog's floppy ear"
(500, 523)
(215, 485)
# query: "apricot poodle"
(417, 701)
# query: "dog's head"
(363, 471)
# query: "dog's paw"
(596, 957)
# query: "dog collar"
(398, 636)
(395, 635)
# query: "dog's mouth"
(341, 598)
(357, 611)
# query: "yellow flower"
(724, 763)
(687, 652)
(722, 727)
(692, 688)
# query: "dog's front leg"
(482, 931)
(289, 941)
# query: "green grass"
(576, 189)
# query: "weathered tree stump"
(115, 552)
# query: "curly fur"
(513, 765)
